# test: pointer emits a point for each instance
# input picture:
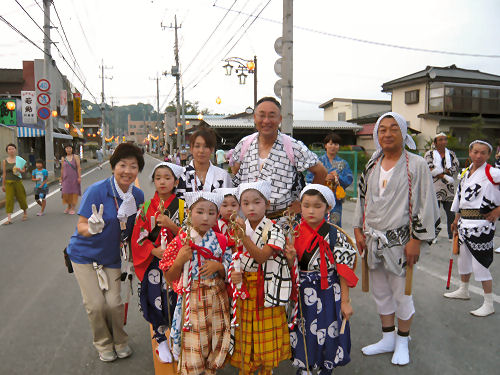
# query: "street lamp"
(242, 67)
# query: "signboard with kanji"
(77, 108)
(28, 108)
(7, 116)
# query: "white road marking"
(19, 212)
(454, 281)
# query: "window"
(411, 97)
(132, 133)
(341, 116)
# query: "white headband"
(440, 135)
(177, 170)
(403, 125)
(192, 197)
(481, 142)
(227, 191)
(262, 186)
(325, 191)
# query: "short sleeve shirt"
(104, 247)
(277, 168)
(42, 176)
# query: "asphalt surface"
(44, 328)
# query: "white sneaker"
(487, 307)
(385, 345)
(124, 352)
(109, 356)
(163, 352)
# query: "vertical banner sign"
(28, 107)
(63, 103)
(77, 108)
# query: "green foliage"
(192, 108)
(476, 130)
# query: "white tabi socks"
(401, 354)
(487, 307)
(386, 345)
(461, 293)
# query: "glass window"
(411, 97)
(436, 92)
(436, 105)
(476, 93)
(341, 116)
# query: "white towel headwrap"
(192, 197)
(325, 191)
(407, 139)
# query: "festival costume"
(476, 195)
(146, 236)
(216, 178)
(444, 187)
(345, 179)
(266, 340)
(383, 211)
(323, 254)
(207, 343)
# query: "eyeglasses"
(271, 116)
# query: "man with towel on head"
(395, 212)
(444, 165)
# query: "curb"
(49, 183)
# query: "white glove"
(96, 223)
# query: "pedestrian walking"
(157, 223)
(262, 341)
(275, 157)
(12, 182)
(201, 174)
(71, 178)
(396, 213)
(325, 260)
(476, 206)
(444, 165)
(96, 245)
(202, 257)
(40, 176)
(339, 175)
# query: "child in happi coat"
(156, 224)
(229, 206)
(203, 262)
(325, 262)
(265, 341)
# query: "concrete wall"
(7, 135)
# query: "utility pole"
(183, 119)
(103, 104)
(47, 60)
(158, 127)
(287, 88)
(177, 74)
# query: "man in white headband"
(444, 165)
(396, 211)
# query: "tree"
(476, 130)
(192, 108)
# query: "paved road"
(44, 329)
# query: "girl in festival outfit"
(477, 208)
(228, 207)
(265, 273)
(206, 336)
(156, 224)
(326, 261)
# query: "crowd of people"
(256, 269)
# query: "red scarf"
(307, 241)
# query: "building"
(447, 99)
(342, 109)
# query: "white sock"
(164, 352)
(401, 354)
(385, 345)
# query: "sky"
(128, 36)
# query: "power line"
(234, 45)
(203, 45)
(382, 44)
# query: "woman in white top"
(201, 174)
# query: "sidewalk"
(29, 185)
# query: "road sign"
(43, 99)
(44, 113)
(43, 85)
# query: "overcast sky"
(128, 35)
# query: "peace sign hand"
(96, 223)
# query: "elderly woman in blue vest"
(106, 218)
(339, 172)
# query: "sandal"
(66, 210)
(25, 217)
(72, 212)
(7, 223)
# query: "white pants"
(468, 264)
(388, 291)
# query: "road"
(44, 328)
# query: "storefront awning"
(23, 131)
(62, 136)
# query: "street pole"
(287, 88)
(102, 107)
(183, 118)
(255, 83)
(47, 59)
(177, 92)
(158, 115)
